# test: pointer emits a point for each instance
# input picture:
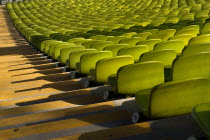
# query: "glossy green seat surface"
(200, 39)
(139, 76)
(150, 43)
(136, 51)
(191, 66)
(101, 46)
(176, 45)
(74, 57)
(164, 56)
(64, 55)
(57, 50)
(174, 98)
(88, 61)
(115, 49)
(108, 66)
(197, 48)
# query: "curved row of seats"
(162, 56)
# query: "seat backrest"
(74, 57)
(165, 56)
(200, 39)
(176, 45)
(100, 46)
(162, 36)
(139, 76)
(197, 48)
(89, 43)
(108, 66)
(191, 66)
(191, 31)
(143, 35)
(150, 43)
(114, 49)
(57, 50)
(116, 39)
(136, 51)
(184, 37)
(178, 97)
(130, 41)
(64, 55)
(88, 61)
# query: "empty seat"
(143, 35)
(116, 39)
(200, 39)
(191, 66)
(57, 50)
(64, 55)
(136, 51)
(174, 98)
(164, 56)
(134, 77)
(184, 37)
(88, 61)
(162, 36)
(197, 48)
(100, 46)
(150, 43)
(74, 57)
(130, 41)
(108, 66)
(115, 49)
(176, 45)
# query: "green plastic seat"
(131, 41)
(116, 39)
(192, 31)
(108, 66)
(170, 32)
(88, 61)
(52, 47)
(201, 114)
(136, 51)
(129, 35)
(191, 66)
(200, 39)
(176, 45)
(134, 77)
(89, 43)
(115, 49)
(197, 48)
(64, 53)
(143, 35)
(162, 36)
(150, 43)
(173, 98)
(74, 57)
(164, 56)
(184, 37)
(100, 46)
(57, 50)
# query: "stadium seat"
(196, 48)
(136, 51)
(115, 49)
(88, 61)
(150, 43)
(176, 45)
(134, 77)
(64, 54)
(108, 66)
(182, 96)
